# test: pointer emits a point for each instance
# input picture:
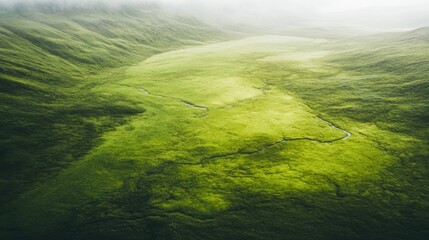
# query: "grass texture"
(109, 135)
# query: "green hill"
(132, 123)
(421, 34)
(45, 52)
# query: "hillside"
(421, 34)
(390, 74)
(46, 51)
(134, 123)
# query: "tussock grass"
(48, 121)
(220, 141)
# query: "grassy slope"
(45, 52)
(216, 167)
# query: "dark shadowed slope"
(267, 137)
(45, 52)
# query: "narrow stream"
(191, 105)
(348, 134)
(336, 186)
(184, 102)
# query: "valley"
(210, 135)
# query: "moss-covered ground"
(261, 138)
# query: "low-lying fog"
(368, 15)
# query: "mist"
(370, 15)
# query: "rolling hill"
(46, 51)
(134, 123)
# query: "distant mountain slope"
(421, 34)
(45, 52)
(103, 37)
(404, 57)
(413, 36)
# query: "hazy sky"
(379, 14)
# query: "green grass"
(219, 141)
(47, 122)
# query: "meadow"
(266, 137)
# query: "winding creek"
(348, 134)
(184, 102)
(191, 105)
(336, 187)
